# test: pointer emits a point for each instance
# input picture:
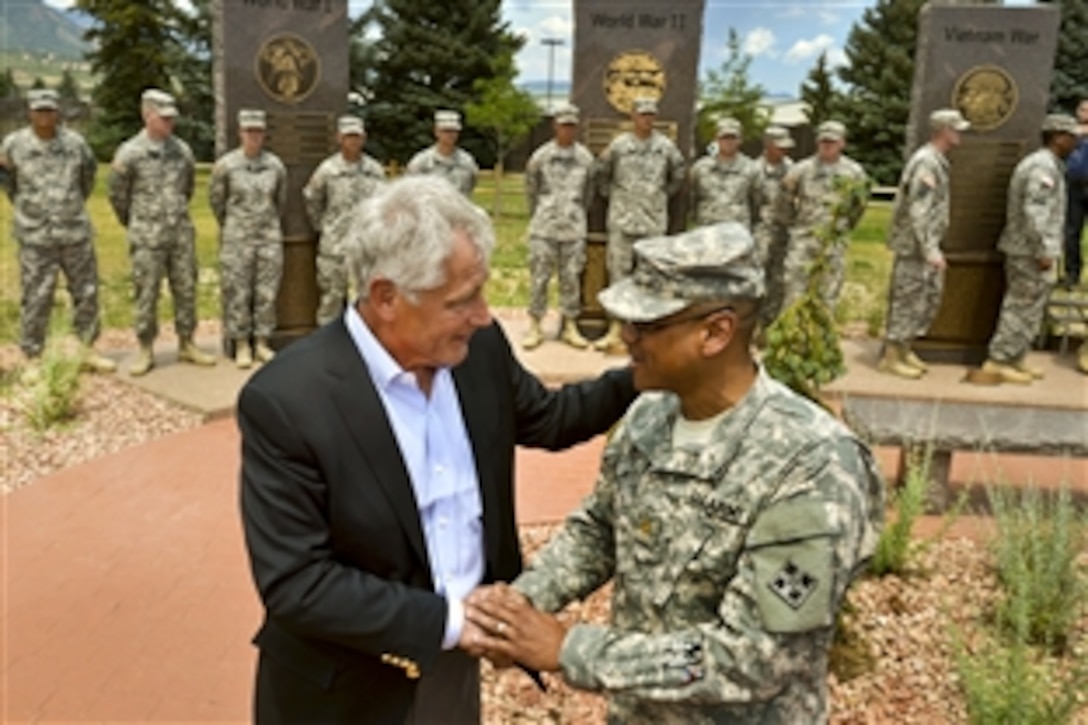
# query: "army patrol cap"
(346, 125)
(831, 131)
(948, 118)
(249, 118)
(160, 101)
(729, 127)
(644, 104)
(42, 99)
(566, 113)
(779, 136)
(717, 262)
(1061, 123)
(447, 120)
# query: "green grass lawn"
(869, 262)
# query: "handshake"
(503, 626)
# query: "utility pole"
(551, 43)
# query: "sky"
(784, 37)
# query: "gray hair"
(405, 232)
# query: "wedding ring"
(501, 627)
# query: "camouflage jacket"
(1035, 215)
(921, 216)
(770, 182)
(559, 184)
(638, 177)
(332, 193)
(247, 197)
(48, 183)
(725, 191)
(808, 194)
(729, 562)
(459, 168)
(150, 186)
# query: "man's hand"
(1045, 264)
(514, 631)
(937, 262)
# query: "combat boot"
(189, 352)
(1022, 365)
(94, 363)
(610, 339)
(262, 351)
(1082, 358)
(534, 337)
(243, 356)
(143, 362)
(1006, 372)
(894, 362)
(911, 359)
(573, 336)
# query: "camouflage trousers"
(1027, 289)
(801, 252)
(567, 260)
(620, 254)
(250, 275)
(332, 286)
(914, 297)
(39, 266)
(771, 244)
(177, 263)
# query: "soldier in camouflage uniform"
(338, 184)
(150, 185)
(637, 173)
(559, 183)
(248, 191)
(725, 187)
(445, 158)
(48, 173)
(804, 205)
(771, 236)
(1032, 243)
(730, 514)
(919, 223)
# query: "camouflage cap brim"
(626, 300)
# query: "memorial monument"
(994, 64)
(289, 58)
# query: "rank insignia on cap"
(793, 585)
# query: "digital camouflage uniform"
(804, 205)
(1035, 217)
(919, 223)
(459, 168)
(638, 177)
(331, 195)
(770, 236)
(725, 191)
(150, 185)
(559, 184)
(48, 182)
(247, 196)
(729, 561)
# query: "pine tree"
(38, 83)
(428, 56)
(728, 92)
(819, 94)
(878, 75)
(192, 73)
(8, 87)
(1069, 86)
(67, 88)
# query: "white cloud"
(759, 41)
(557, 26)
(804, 50)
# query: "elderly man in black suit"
(377, 484)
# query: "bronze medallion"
(633, 74)
(987, 96)
(288, 68)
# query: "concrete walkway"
(125, 592)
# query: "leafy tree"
(879, 73)
(1069, 85)
(192, 73)
(818, 92)
(38, 84)
(67, 88)
(729, 92)
(426, 56)
(8, 87)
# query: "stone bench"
(937, 428)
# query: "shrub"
(52, 397)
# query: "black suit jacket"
(331, 526)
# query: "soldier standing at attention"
(445, 158)
(805, 202)
(730, 513)
(637, 173)
(725, 187)
(150, 185)
(1032, 243)
(334, 190)
(559, 184)
(48, 172)
(771, 236)
(919, 224)
(248, 191)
